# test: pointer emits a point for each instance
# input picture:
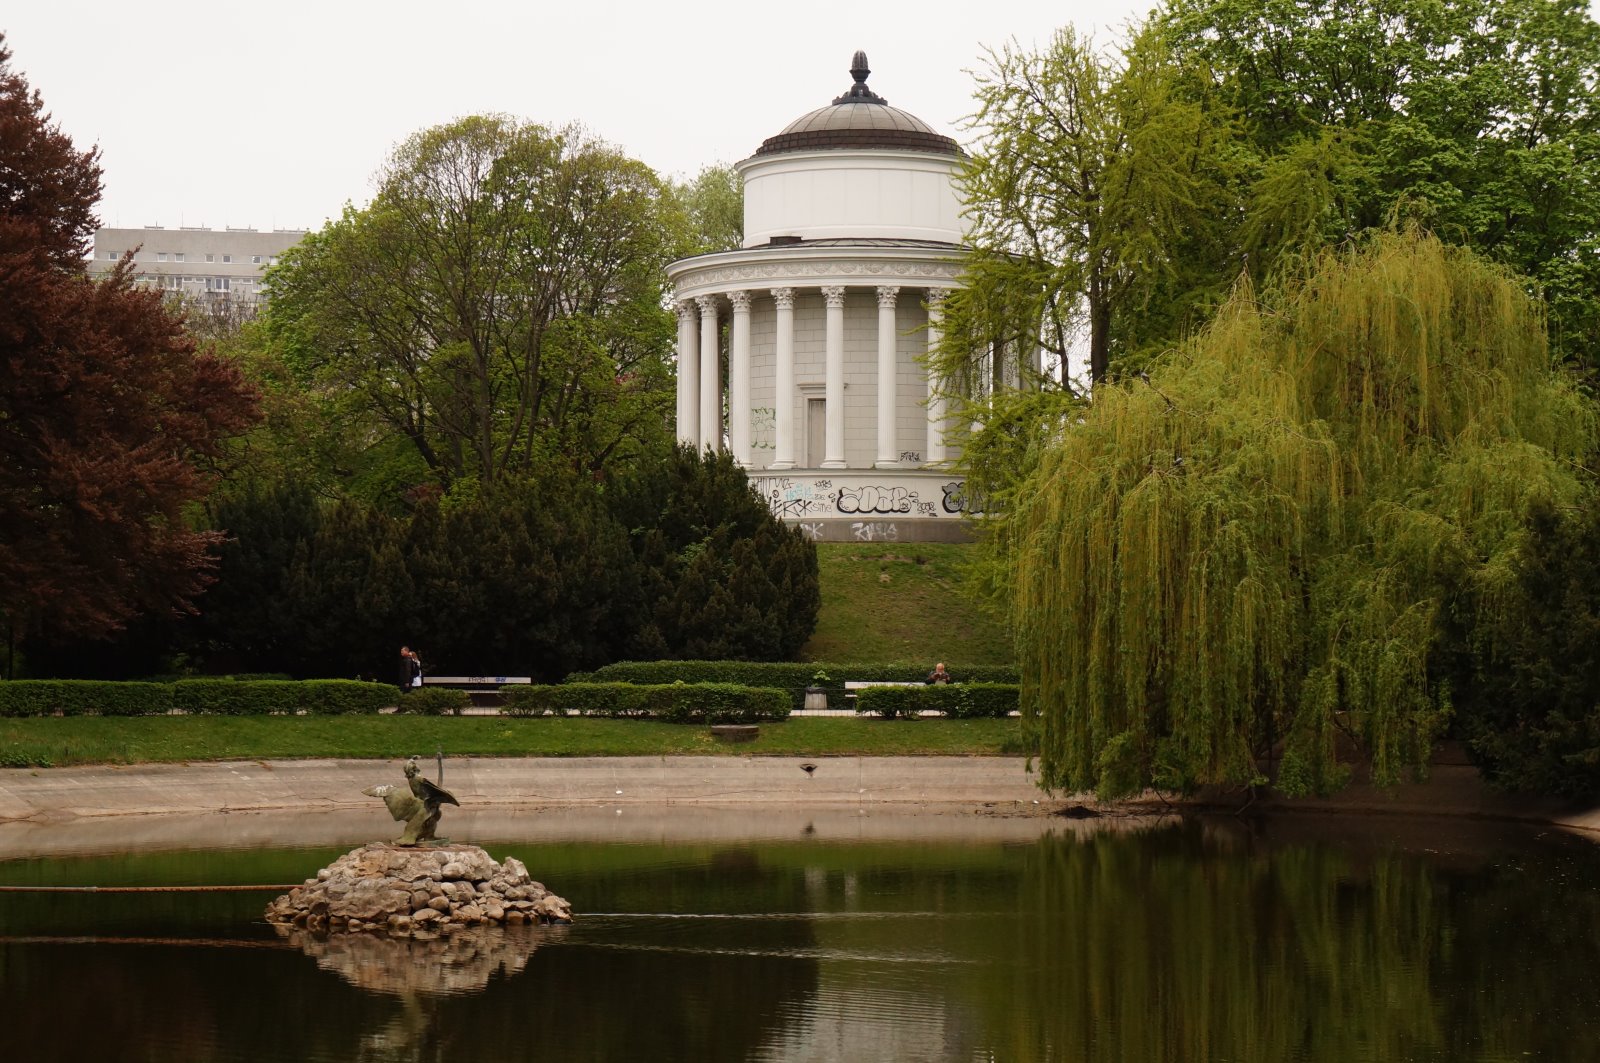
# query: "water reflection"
(1298, 940)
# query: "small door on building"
(816, 431)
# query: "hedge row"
(790, 676)
(670, 702)
(957, 701)
(223, 697)
(434, 701)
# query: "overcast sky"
(274, 113)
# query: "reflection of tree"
(1163, 946)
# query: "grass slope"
(62, 741)
(901, 603)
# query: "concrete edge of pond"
(978, 784)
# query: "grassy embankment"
(895, 602)
(901, 602)
(59, 742)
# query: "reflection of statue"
(418, 809)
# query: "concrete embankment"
(762, 785)
(324, 785)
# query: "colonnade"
(700, 386)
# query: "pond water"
(809, 937)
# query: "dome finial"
(859, 93)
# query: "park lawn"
(901, 603)
(63, 741)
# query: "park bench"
(484, 690)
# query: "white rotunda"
(853, 235)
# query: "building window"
(111, 256)
(177, 256)
(216, 284)
(211, 258)
(255, 259)
(227, 258)
(161, 256)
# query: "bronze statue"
(418, 809)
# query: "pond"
(799, 935)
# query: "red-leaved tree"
(109, 416)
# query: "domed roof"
(858, 119)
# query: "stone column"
(739, 379)
(938, 403)
(888, 331)
(833, 392)
(688, 374)
(710, 376)
(783, 298)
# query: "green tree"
(1476, 118)
(1256, 542)
(713, 210)
(498, 305)
(1527, 666)
(1096, 196)
(721, 578)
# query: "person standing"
(410, 669)
(938, 676)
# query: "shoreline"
(974, 785)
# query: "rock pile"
(417, 891)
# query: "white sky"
(274, 113)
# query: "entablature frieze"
(854, 272)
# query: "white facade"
(853, 237)
(207, 264)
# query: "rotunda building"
(853, 236)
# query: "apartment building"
(206, 264)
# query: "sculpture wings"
(417, 805)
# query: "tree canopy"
(109, 416)
(497, 306)
(1255, 542)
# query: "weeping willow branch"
(1250, 546)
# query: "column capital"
(936, 297)
(740, 301)
(784, 297)
(684, 308)
(707, 304)
(834, 296)
(887, 296)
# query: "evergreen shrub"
(676, 702)
(434, 701)
(791, 676)
(958, 701)
(228, 697)
(83, 697)
(340, 697)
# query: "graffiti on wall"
(789, 498)
(875, 531)
(875, 498)
(958, 500)
(803, 499)
(763, 428)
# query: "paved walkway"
(519, 781)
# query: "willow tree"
(1248, 546)
(1098, 196)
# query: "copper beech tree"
(109, 416)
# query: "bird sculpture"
(417, 805)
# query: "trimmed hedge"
(222, 697)
(957, 700)
(226, 697)
(344, 697)
(791, 676)
(83, 697)
(669, 702)
(432, 701)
